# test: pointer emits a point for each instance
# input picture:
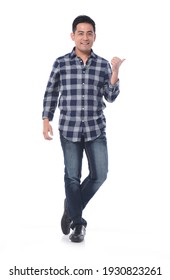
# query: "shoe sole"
(76, 240)
(65, 229)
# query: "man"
(78, 83)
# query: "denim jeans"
(79, 193)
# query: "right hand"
(47, 129)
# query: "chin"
(86, 49)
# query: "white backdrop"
(128, 220)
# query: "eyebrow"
(81, 31)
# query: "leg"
(97, 156)
(73, 154)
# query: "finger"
(117, 59)
(51, 131)
(46, 135)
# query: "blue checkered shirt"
(79, 90)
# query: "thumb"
(50, 130)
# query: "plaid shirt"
(78, 90)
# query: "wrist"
(114, 79)
(45, 119)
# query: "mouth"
(85, 44)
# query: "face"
(84, 38)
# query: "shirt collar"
(73, 54)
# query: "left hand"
(116, 62)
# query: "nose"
(85, 36)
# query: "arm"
(50, 101)
(112, 80)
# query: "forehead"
(84, 27)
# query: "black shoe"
(78, 233)
(65, 221)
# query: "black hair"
(82, 19)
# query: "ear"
(94, 37)
(72, 36)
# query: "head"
(83, 19)
(83, 33)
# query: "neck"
(83, 55)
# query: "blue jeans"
(78, 194)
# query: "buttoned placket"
(83, 72)
(83, 92)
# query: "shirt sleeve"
(51, 93)
(110, 91)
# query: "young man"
(78, 83)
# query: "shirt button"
(82, 108)
(83, 84)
